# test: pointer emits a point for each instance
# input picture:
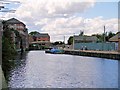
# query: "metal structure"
(96, 46)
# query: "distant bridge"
(39, 45)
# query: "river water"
(36, 69)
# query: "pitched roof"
(14, 21)
(41, 35)
(86, 38)
(114, 38)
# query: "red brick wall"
(43, 39)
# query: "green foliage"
(8, 51)
(16, 33)
(110, 34)
(81, 33)
(107, 36)
(33, 33)
(99, 36)
(70, 40)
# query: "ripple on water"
(40, 70)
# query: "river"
(36, 69)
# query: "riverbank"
(101, 54)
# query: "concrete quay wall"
(100, 54)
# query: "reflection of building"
(42, 39)
(19, 33)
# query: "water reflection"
(18, 71)
(119, 74)
(39, 70)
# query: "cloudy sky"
(62, 18)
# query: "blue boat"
(55, 51)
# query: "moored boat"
(55, 51)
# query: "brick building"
(19, 33)
(41, 39)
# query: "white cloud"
(58, 17)
(53, 8)
(69, 26)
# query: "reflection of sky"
(49, 70)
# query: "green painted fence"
(96, 46)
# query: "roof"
(114, 38)
(14, 21)
(41, 35)
(86, 38)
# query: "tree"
(110, 34)
(101, 36)
(8, 50)
(81, 33)
(70, 40)
(34, 32)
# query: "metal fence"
(97, 46)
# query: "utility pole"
(104, 35)
(103, 41)
(64, 41)
(73, 40)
